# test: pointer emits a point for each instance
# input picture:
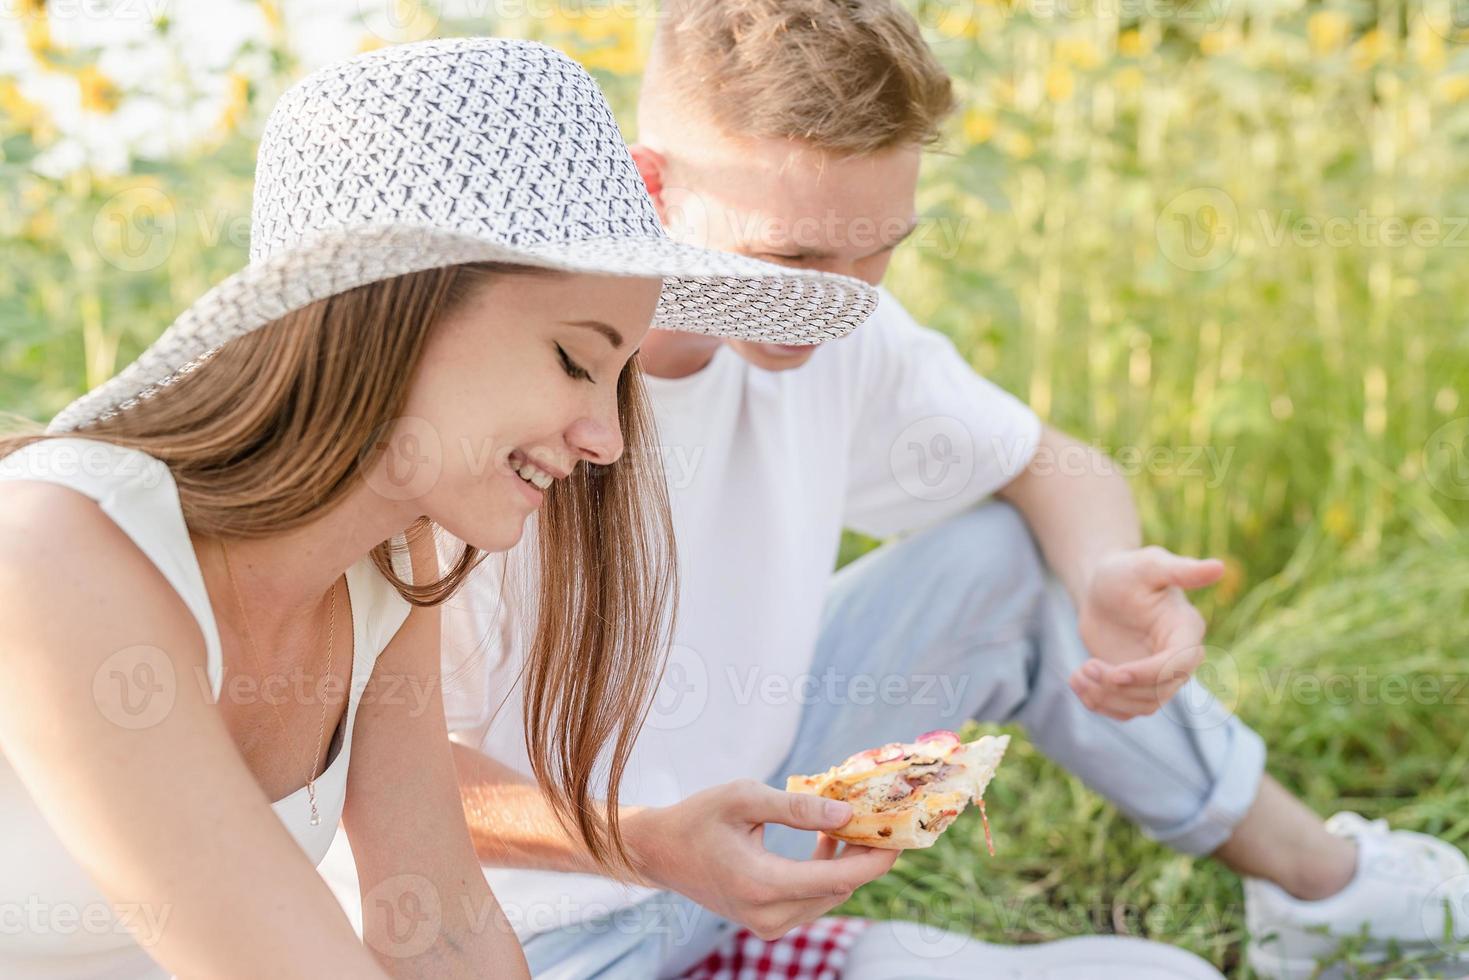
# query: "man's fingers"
(1105, 700)
(1195, 573)
(1163, 568)
(1129, 700)
(1148, 673)
(1182, 627)
(840, 876)
(762, 804)
(773, 921)
(1169, 667)
(826, 848)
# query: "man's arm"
(709, 847)
(1078, 507)
(511, 822)
(1145, 637)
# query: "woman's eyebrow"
(610, 332)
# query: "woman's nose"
(597, 440)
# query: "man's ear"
(650, 167)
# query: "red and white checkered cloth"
(816, 951)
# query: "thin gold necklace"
(255, 655)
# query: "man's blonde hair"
(848, 76)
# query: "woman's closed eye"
(572, 368)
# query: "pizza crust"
(916, 822)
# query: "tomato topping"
(889, 753)
(938, 735)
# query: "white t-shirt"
(885, 431)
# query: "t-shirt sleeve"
(480, 633)
(931, 437)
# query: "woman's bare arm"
(140, 779)
(426, 909)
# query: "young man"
(792, 130)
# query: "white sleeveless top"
(53, 922)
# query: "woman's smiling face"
(517, 386)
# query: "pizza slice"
(905, 794)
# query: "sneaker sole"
(1270, 965)
(895, 951)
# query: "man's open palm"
(1145, 637)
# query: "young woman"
(218, 572)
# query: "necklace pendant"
(315, 814)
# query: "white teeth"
(533, 474)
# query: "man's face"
(784, 202)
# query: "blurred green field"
(1225, 242)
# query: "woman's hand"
(710, 848)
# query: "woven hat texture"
(444, 152)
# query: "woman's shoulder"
(43, 519)
(84, 464)
(75, 506)
(60, 545)
(70, 576)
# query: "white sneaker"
(1405, 886)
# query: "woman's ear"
(650, 165)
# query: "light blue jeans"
(960, 621)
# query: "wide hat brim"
(704, 291)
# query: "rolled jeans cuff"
(1230, 799)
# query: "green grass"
(1320, 372)
(1067, 863)
(1290, 390)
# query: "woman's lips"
(533, 495)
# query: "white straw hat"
(468, 150)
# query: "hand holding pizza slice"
(905, 794)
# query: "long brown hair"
(277, 426)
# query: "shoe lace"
(1396, 856)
